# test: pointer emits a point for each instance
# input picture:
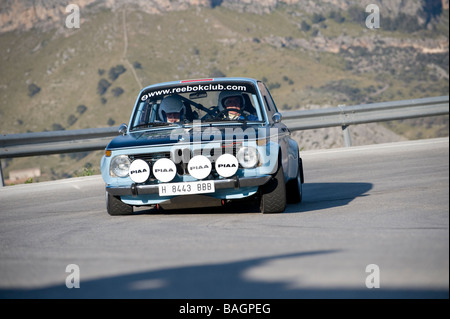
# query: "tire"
(273, 194)
(115, 207)
(294, 187)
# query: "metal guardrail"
(366, 113)
(345, 116)
(56, 142)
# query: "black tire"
(294, 187)
(273, 194)
(115, 207)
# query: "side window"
(271, 101)
(139, 116)
(271, 107)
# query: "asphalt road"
(385, 205)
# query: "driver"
(232, 103)
(172, 109)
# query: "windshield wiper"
(245, 121)
(215, 119)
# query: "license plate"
(186, 188)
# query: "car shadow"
(209, 281)
(316, 196)
(319, 196)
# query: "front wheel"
(115, 207)
(294, 187)
(273, 194)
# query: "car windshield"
(188, 102)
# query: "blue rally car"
(203, 142)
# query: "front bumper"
(220, 184)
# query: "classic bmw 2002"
(203, 142)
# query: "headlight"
(120, 166)
(248, 157)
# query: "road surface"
(374, 223)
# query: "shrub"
(287, 79)
(33, 89)
(103, 86)
(57, 127)
(317, 18)
(272, 86)
(88, 170)
(137, 65)
(305, 26)
(116, 71)
(357, 14)
(117, 91)
(72, 119)
(81, 109)
(337, 17)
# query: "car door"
(288, 155)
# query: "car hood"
(185, 135)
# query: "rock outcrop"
(28, 14)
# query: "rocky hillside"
(28, 14)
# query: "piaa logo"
(226, 165)
(199, 167)
(139, 171)
(164, 170)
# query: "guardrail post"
(2, 182)
(347, 137)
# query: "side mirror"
(123, 128)
(276, 118)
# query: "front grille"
(150, 157)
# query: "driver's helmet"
(171, 104)
(225, 95)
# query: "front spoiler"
(234, 183)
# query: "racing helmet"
(171, 104)
(224, 95)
